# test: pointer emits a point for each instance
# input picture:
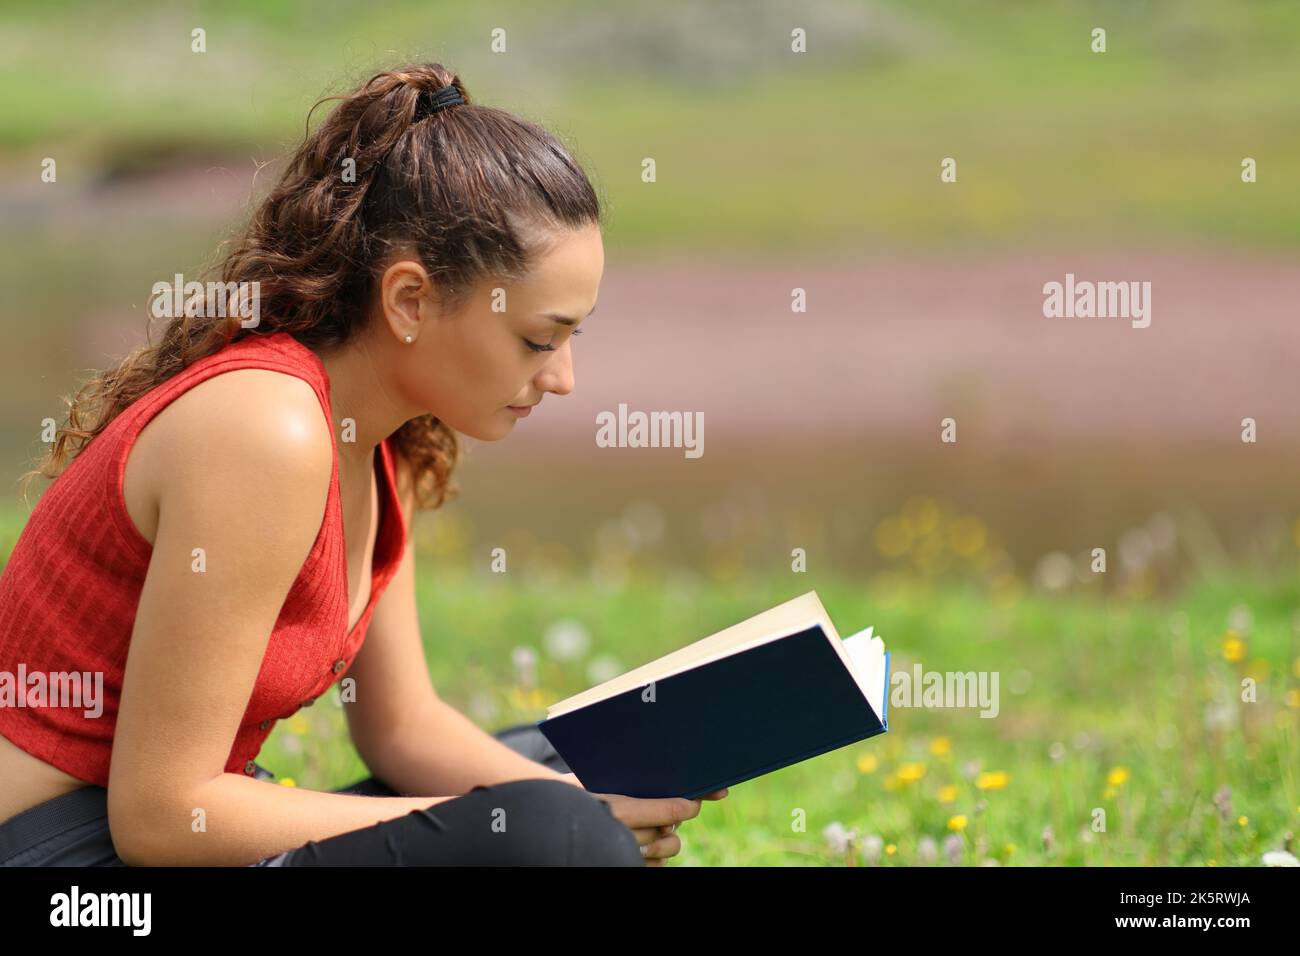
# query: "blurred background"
(818, 171)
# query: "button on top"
(263, 725)
(309, 701)
(339, 665)
(250, 768)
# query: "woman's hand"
(653, 821)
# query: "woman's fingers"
(646, 835)
(654, 812)
(662, 848)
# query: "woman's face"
(506, 349)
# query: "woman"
(231, 537)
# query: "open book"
(771, 691)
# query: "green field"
(1123, 700)
(1141, 699)
(757, 148)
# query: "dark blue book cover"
(720, 723)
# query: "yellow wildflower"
(967, 536)
(893, 537)
(911, 772)
(1242, 820)
(867, 763)
(526, 698)
(288, 782)
(1234, 648)
(957, 822)
(921, 514)
(941, 746)
(947, 794)
(1117, 777)
(890, 849)
(992, 780)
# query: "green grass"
(757, 147)
(1095, 684)
(1117, 684)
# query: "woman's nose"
(557, 376)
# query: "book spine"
(884, 698)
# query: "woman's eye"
(546, 348)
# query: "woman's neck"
(358, 391)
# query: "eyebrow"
(564, 319)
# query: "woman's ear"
(404, 289)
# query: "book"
(775, 689)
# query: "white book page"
(867, 653)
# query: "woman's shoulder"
(243, 427)
(263, 402)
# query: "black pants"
(519, 823)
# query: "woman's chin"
(494, 430)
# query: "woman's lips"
(523, 411)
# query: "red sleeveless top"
(69, 592)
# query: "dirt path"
(893, 345)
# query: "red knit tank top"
(69, 592)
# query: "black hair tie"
(431, 102)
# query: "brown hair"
(474, 191)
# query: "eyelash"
(546, 348)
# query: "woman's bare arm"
(248, 475)
(408, 736)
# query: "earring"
(409, 340)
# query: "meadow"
(1110, 701)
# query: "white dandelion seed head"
(837, 836)
(603, 668)
(952, 847)
(525, 664)
(872, 844)
(1136, 549)
(1054, 571)
(1164, 531)
(566, 640)
(1220, 716)
(927, 851)
(1280, 858)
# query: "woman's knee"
(593, 836)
